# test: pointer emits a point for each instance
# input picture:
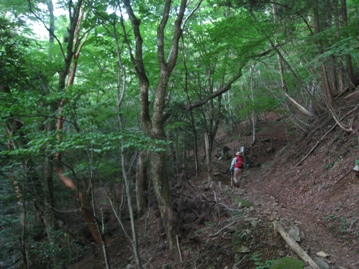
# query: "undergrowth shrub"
(288, 263)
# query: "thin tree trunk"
(72, 53)
(254, 123)
(194, 131)
(254, 114)
(49, 216)
(193, 125)
(349, 65)
(46, 213)
(338, 62)
(208, 157)
(21, 204)
(282, 61)
(134, 241)
(121, 89)
(327, 91)
(175, 150)
(212, 124)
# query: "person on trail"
(236, 167)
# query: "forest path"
(264, 193)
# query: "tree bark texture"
(326, 87)
(208, 157)
(193, 125)
(349, 65)
(294, 245)
(141, 182)
(164, 199)
(154, 126)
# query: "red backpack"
(239, 163)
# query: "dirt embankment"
(312, 183)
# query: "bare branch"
(215, 94)
(47, 28)
(299, 106)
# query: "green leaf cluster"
(48, 143)
(287, 263)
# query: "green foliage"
(62, 251)
(259, 263)
(14, 70)
(10, 227)
(91, 141)
(244, 43)
(287, 263)
(199, 231)
(339, 224)
(329, 217)
(239, 237)
(328, 166)
(243, 202)
(7, 198)
(218, 44)
(10, 218)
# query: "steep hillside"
(303, 181)
(312, 181)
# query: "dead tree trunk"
(294, 245)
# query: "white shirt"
(234, 162)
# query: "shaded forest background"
(113, 104)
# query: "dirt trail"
(278, 198)
(316, 236)
(320, 195)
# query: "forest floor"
(304, 182)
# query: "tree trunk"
(21, 204)
(254, 124)
(294, 245)
(158, 170)
(134, 241)
(121, 89)
(327, 90)
(349, 65)
(164, 199)
(49, 216)
(73, 50)
(251, 87)
(208, 157)
(141, 182)
(48, 187)
(154, 127)
(192, 120)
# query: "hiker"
(236, 167)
